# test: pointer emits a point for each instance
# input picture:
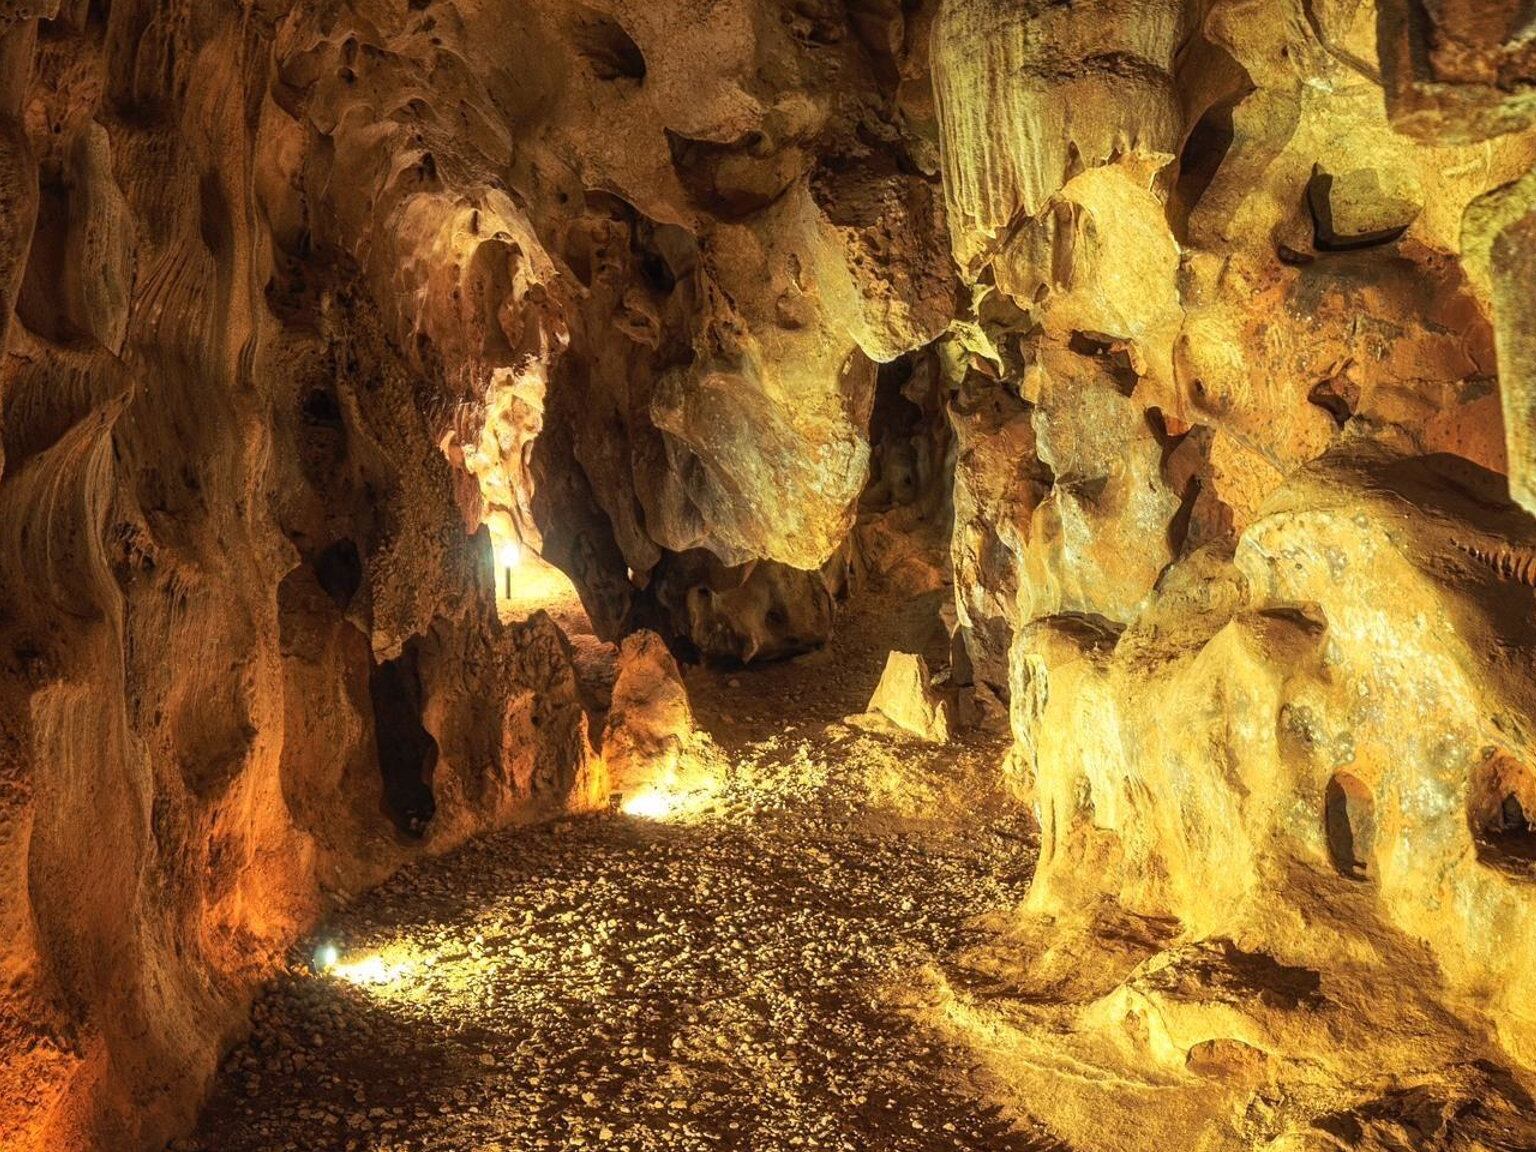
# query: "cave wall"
(1244, 517)
(655, 253)
(226, 514)
(300, 303)
(1225, 305)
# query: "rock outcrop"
(905, 703)
(1262, 577)
(650, 723)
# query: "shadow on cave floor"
(722, 981)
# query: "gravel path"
(626, 984)
(715, 981)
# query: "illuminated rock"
(1354, 210)
(297, 299)
(1028, 97)
(1250, 331)
(905, 702)
(650, 723)
(1497, 236)
(1458, 71)
(1236, 763)
(1512, 265)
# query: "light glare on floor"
(652, 804)
(370, 970)
(373, 969)
(679, 796)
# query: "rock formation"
(1200, 330)
(650, 722)
(1266, 591)
(905, 703)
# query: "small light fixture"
(326, 957)
(509, 554)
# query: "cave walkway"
(722, 981)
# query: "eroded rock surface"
(1198, 335)
(1263, 582)
(905, 702)
(650, 722)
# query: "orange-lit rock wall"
(238, 570)
(1246, 284)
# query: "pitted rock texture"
(1200, 330)
(1248, 321)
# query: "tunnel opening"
(320, 407)
(1503, 807)
(608, 49)
(42, 302)
(1203, 153)
(733, 616)
(899, 468)
(910, 443)
(407, 751)
(527, 583)
(339, 570)
(1350, 824)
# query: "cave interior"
(786, 575)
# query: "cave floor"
(723, 979)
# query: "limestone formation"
(650, 723)
(905, 701)
(1458, 71)
(1186, 351)
(1219, 711)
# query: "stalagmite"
(650, 723)
(904, 701)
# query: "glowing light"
(652, 804)
(509, 553)
(371, 970)
(672, 799)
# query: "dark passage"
(1502, 829)
(407, 751)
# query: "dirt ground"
(723, 978)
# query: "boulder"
(905, 702)
(651, 720)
